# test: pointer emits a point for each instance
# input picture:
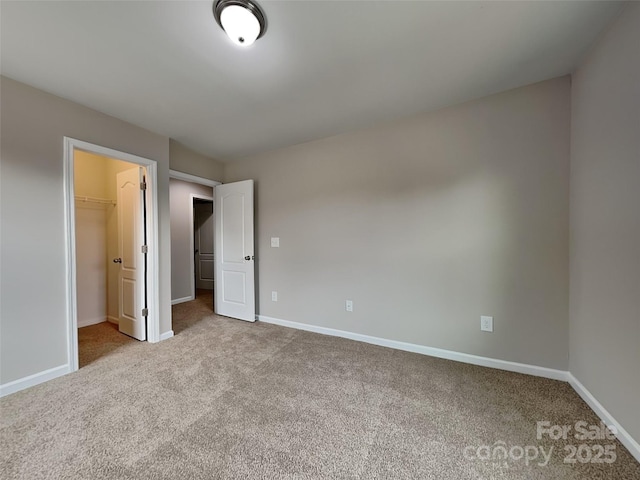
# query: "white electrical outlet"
(348, 306)
(486, 323)
(275, 242)
(274, 296)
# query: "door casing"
(71, 145)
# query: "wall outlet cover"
(274, 296)
(275, 242)
(486, 323)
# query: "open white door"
(234, 261)
(131, 280)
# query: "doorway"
(203, 233)
(191, 270)
(112, 238)
(234, 265)
(109, 214)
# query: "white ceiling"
(323, 67)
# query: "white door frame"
(192, 246)
(153, 258)
(187, 177)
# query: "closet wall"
(91, 238)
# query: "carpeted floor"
(229, 399)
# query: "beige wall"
(181, 241)
(605, 222)
(90, 180)
(186, 160)
(426, 224)
(33, 321)
(90, 172)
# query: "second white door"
(234, 255)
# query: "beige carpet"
(229, 399)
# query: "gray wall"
(181, 240)
(186, 160)
(605, 222)
(426, 224)
(32, 278)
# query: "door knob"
(247, 257)
(117, 260)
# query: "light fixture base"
(254, 8)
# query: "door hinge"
(145, 248)
(145, 312)
(143, 185)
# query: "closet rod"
(102, 201)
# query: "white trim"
(34, 379)
(166, 335)
(187, 177)
(625, 438)
(192, 246)
(182, 300)
(70, 264)
(430, 351)
(153, 267)
(113, 320)
(153, 300)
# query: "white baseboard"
(166, 335)
(113, 320)
(182, 300)
(624, 437)
(34, 379)
(91, 321)
(627, 440)
(430, 351)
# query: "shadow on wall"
(426, 225)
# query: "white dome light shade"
(240, 24)
(242, 20)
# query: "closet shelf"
(101, 201)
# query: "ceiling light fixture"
(242, 20)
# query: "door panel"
(131, 284)
(234, 287)
(129, 304)
(206, 273)
(234, 251)
(233, 241)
